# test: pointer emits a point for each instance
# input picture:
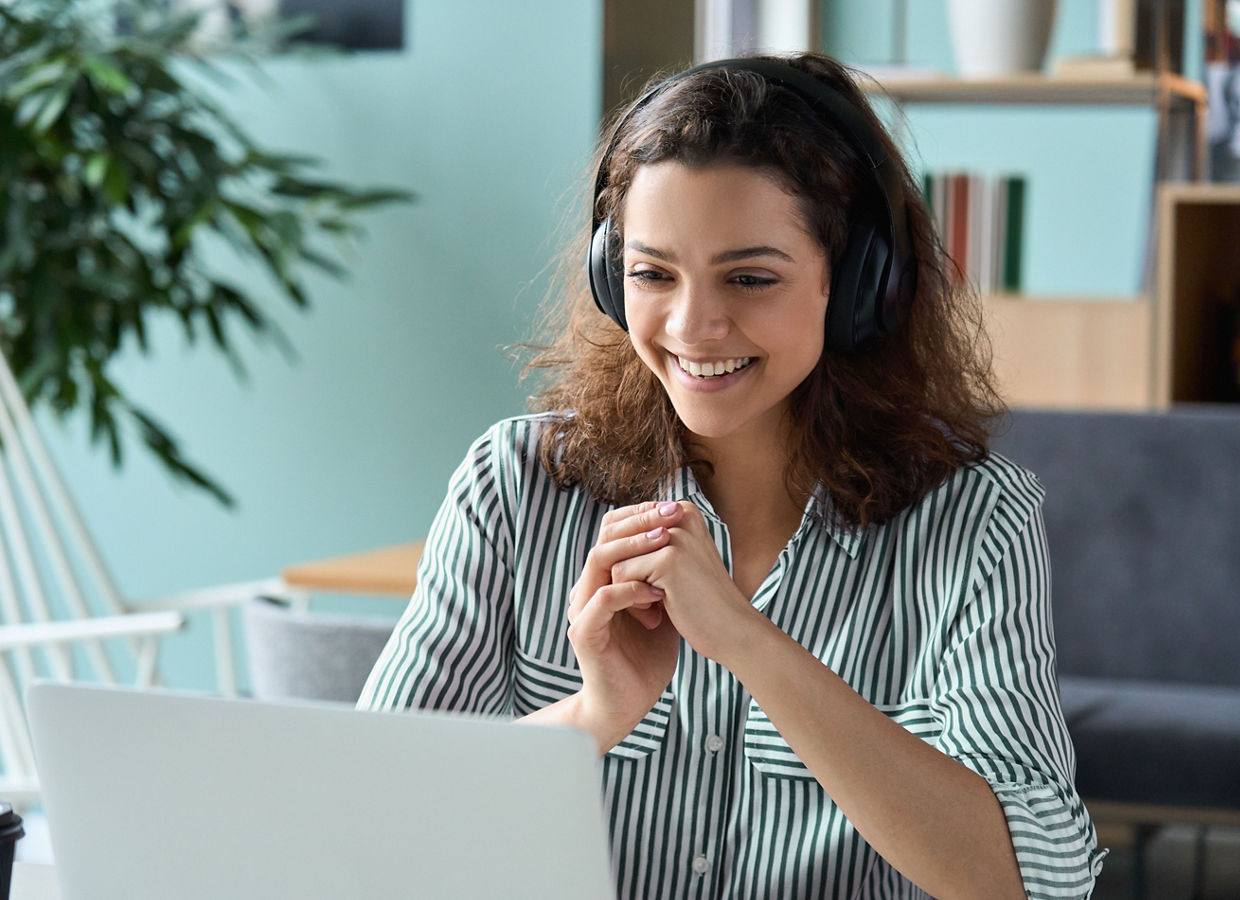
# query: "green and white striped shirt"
(939, 617)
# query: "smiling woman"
(754, 542)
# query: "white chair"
(61, 615)
(301, 655)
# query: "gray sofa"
(1143, 522)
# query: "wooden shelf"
(1141, 89)
(1070, 352)
(1198, 283)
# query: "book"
(980, 222)
(1014, 216)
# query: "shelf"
(1198, 310)
(1141, 89)
(1068, 352)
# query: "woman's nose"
(697, 315)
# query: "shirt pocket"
(650, 732)
(917, 718)
(769, 753)
(537, 683)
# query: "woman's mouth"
(713, 368)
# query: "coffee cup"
(10, 830)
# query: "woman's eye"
(648, 276)
(753, 282)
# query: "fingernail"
(667, 508)
(655, 533)
(658, 592)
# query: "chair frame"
(39, 523)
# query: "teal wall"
(1090, 168)
(489, 114)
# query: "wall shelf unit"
(1197, 315)
(1109, 352)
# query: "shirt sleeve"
(452, 647)
(998, 697)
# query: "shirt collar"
(684, 486)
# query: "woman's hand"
(699, 596)
(625, 644)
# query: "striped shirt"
(939, 617)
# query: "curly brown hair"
(873, 431)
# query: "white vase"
(1000, 37)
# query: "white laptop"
(151, 795)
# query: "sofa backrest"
(1143, 522)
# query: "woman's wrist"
(571, 712)
(733, 641)
(748, 642)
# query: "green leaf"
(163, 446)
(40, 76)
(29, 108)
(56, 102)
(292, 187)
(280, 163)
(116, 184)
(324, 263)
(362, 199)
(96, 167)
(106, 77)
(337, 225)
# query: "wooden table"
(387, 570)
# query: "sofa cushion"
(1143, 523)
(1150, 743)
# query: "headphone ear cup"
(859, 289)
(607, 273)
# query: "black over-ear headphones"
(872, 281)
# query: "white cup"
(1000, 37)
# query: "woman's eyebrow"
(724, 257)
(639, 247)
(750, 252)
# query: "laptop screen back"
(158, 794)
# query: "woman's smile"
(710, 375)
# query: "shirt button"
(701, 866)
(714, 743)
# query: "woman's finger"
(625, 533)
(630, 520)
(590, 629)
(634, 539)
(650, 617)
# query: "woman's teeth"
(713, 369)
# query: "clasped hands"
(653, 577)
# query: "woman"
(754, 543)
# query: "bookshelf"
(1197, 319)
(1102, 352)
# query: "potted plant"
(115, 171)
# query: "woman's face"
(725, 292)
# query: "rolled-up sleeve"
(452, 647)
(998, 699)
